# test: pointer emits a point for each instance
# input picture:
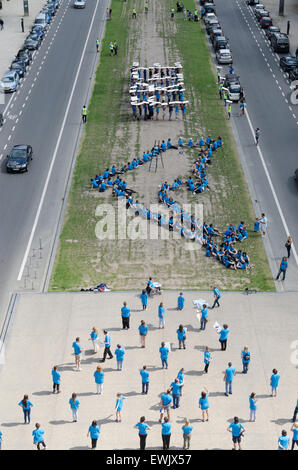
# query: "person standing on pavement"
(22, 24)
(176, 392)
(237, 431)
(134, 14)
(99, 380)
(143, 432)
(204, 404)
(84, 114)
(207, 359)
(107, 344)
(257, 135)
(165, 404)
(125, 314)
(77, 352)
(145, 380)
(164, 353)
(180, 302)
(187, 429)
(252, 407)
(217, 296)
(26, 405)
(119, 353)
(229, 110)
(94, 339)
(204, 317)
(161, 315)
(245, 356)
(228, 378)
(119, 406)
(283, 268)
(180, 377)
(283, 441)
(166, 433)
(74, 406)
(295, 413)
(1, 438)
(144, 299)
(38, 437)
(1, 24)
(294, 430)
(274, 380)
(56, 379)
(288, 245)
(181, 335)
(93, 431)
(143, 330)
(223, 337)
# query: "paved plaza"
(45, 325)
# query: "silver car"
(10, 81)
(79, 4)
(224, 56)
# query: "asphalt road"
(36, 115)
(267, 93)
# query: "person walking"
(77, 352)
(166, 433)
(145, 380)
(165, 404)
(143, 432)
(295, 413)
(97, 44)
(245, 356)
(134, 14)
(257, 135)
(99, 380)
(237, 431)
(161, 315)
(283, 268)
(274, 381)
(119, 406)
(119, 353)
(94, 339)
(180, 302)
(223, 337)
(22, 24)
(143, 330)
(263, 223)
(84, 114)
(176, 392)
(146, 7)
(204, 404)
(93, 432)
(26, 405)
(288, 245)
(228, 378)
(1, 24)
(164, 354)
(38, 437)
(107, 344)
(294, 430)
(144, 299)
(74, 406)
(204, 317)
(252, 407)
(56, 379)
(217, 296)
(187, 429)
(283, 440)
(172, 13)
(181, 335)
(207, 359)
(125, 314)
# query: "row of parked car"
(221, 48)
(279, 41)
(10, 80)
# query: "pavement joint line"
(45, 187)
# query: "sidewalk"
(11, 37)
(45, 325)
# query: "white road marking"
(5, 146)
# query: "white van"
(41, 20)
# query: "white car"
(79, 4)
(224, 56)
(259, 6)
(208, 17)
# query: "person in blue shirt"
(223, 337)
(94, 339)
(26, 405)
(161, 315)
(119, 406)
(180, 142)
(283, 268)
(256, 225)
(217, 296)
(74, 406)
(119, 353)
(204, 404)
(207, 359)
(38, 436)
(94, 183)
(145, 380)
(143, 432)
(143, 330)
(77, 352)
(180, 377)
(144, 299)
(228, 378)
(252, 407)
(187, 429)
(56, 379)
(181, 335)
(274, 380)
(125, 314)
(181, 301)
(245, 356)
(163, 146)
(93, 431)
(107, 345)
(176, 392)
(166, 433)
(294, 430)
(164, 353)
(99, 380)
(283, 441)
(204, 317)
(1, 437)
(295, 413)
(165, 404)
(102, 187)
(237, 431)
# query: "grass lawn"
(83, 260)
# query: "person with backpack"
(245, 356)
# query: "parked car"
(224, 56)
(38, 30)
(220, 42)
(266, 22)
(19, 67)
(259, 6)
(280, 42)
(212, 24)
(41, 20)
(32, 41)
(47, 14)
(270, 30)
(261, 14)
(232, 84)
(202, 2)
(288, 63)
(10, 81)
(209, 16)
(215, 33)
(25, 55)
(79, 4)
(293, 74)
(252, 2)
(209, 8)
(19, 158)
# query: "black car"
(288, 63)
(32, 41)
(19, 158)
(220, 42)
(293, 74)
(280, 42)
(270, 30)
(19, 67)
(212, 24)
(261, 14)
(38, 30)
(25, 55)
(209, 8)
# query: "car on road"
(288, 63)
(265, 22)
(224, 56)
(293, 74)
(19, 67)
(38, 30)
(32, 42)
(220, 42)
(270, 30)
(215, 33)
(79, 4)
(19, 158)
(261, 14)
(280, 42)
(25, 55)
(10, 81)
(209, 8)
(232, 84)
(212, 24)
